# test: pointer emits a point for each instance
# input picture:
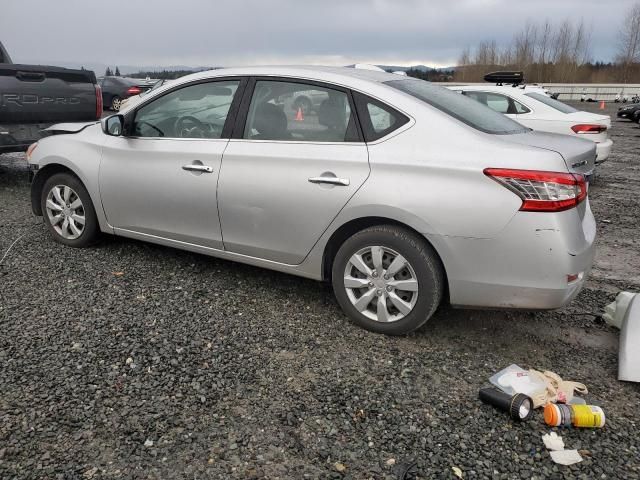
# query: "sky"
(246, 32)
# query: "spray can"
(560, 415)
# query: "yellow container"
(589, 416)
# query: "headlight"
(30, 150)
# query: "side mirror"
(113, 125)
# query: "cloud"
(202, 32)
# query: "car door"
(287, 172)
(160, 179)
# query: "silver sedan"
(400, 193)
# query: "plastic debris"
(565, 457)
(614, 312)
(629, 354)
(457, 472)
(553, 441)
(514, 379)
(542, 387)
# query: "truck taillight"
(99, 106)
(542, 191)
(583, 128)
(134, 90)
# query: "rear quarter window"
(377, 119)
(459, 107)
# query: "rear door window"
(298, 111)
(498, 102)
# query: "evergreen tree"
(107, 72)
(117, 74)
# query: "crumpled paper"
(552, 441)
(565, 457)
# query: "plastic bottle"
(560, 415)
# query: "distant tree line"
(548, 52)
(109, 73)
(431, 75)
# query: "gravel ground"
(130, 360)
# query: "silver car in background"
(401, 193)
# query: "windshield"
(555, 104)
(459, 106)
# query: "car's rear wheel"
(68, 211)
(388, 279)
(116, 103)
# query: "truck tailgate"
(44, 94)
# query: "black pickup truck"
(33, 97)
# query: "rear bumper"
(603, 149)
(526, 265)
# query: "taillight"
(134, 90)
(542, 191)
(98, 102)
(583, 128)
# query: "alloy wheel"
(381, 284)
(65, 212)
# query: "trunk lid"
(579, 154)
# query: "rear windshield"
(555, 104)
(459, 106)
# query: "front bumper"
(603, 149)
(526, 265)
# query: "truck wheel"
(68, 211)
(116, 103)
(388, 279)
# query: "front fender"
(76, 154)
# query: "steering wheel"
(190, 127)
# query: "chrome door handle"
(330, 181)
(198, 168)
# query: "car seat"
(271, 123)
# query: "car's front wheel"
(68, 211)
(388, 279)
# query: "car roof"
(312, 72)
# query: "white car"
(536, 110)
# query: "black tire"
(418, 253)
(91, 228)
(115, 103)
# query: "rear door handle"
(330, 180)
(198, 168)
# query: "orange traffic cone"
(602, 105)
(299, 115)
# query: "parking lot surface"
(130, 360)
